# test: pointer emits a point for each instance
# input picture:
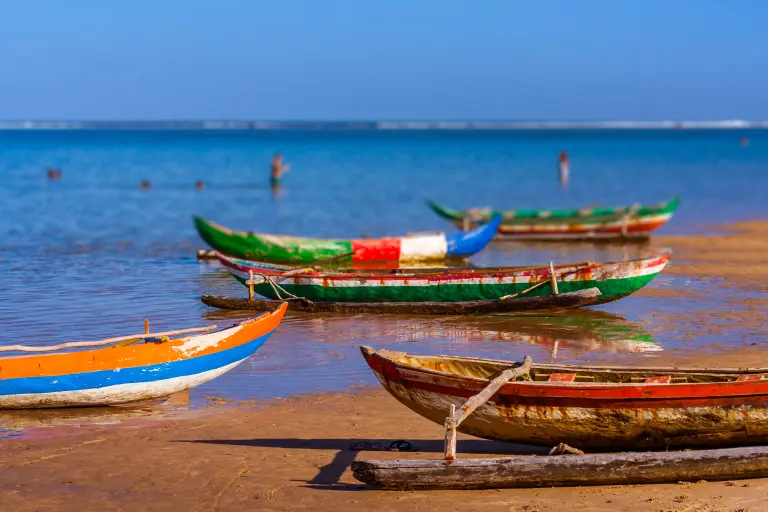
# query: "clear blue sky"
(384, 59)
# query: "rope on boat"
(122, 340)
(553, 276)
(276, 288)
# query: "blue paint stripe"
(102, 378)
(467, 244)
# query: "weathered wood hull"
(588, 223)
(683, 413)
(561, 301)
(124, 374)
(568, 470)
(296, 250)
(614, 280)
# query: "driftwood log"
(568, 470)
(563, 300)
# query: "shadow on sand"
(328, 476)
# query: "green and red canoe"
(614, 280)
(629, 222)
(289, 249)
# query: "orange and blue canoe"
(124, 374)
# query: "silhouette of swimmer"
(145, 185)
(54, 174)
(199, 185)
(565, 169)
(278, 168)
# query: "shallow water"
(91, 256)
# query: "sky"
(383, 60)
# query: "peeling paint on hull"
(614, 280)
(599, 416)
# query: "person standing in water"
(278, 169)
(565, 169)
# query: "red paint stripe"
(592, 403)
(456, 274)
(376, 249)
(589, 395)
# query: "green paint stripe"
(598, 216)
(611, 289)
(253, 247)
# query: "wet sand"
(292, 454)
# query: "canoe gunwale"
(445, 273)
(395, 358)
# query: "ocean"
(92, 255)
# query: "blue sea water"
(92, 255)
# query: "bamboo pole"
(553, 278)
(250, 283)
(454, 420)
(108, 341)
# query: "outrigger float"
(626, 222)
(471, 307)
(590, 407)
(134, 368)
(296, 250)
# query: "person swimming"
(145, 185)
(54, 174)
(564, 166)
(278, 169)
(199, 185)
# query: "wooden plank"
(659, 379)
(564, 300)
(566, 470)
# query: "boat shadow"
(328, 476)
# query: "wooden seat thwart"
(562, 377)
(746, 378)
(660, 379)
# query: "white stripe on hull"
(588, 229)
(112, 395)
(608, 271)
(414, 248)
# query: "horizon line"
(372, 125)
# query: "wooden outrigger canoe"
(290, 250)
(632, 222)
(133, 369)
(561, 301)
(588, 407)
(614, 280)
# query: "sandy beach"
(293, 454)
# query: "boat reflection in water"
(56, 422)
(578, 333)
